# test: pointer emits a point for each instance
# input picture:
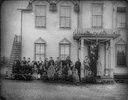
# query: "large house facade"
(75, 28)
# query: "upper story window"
(121, 53)
(40, 16)
(65, 16)
(121, 17)
(97, 9)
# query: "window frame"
(36, 16)
(117, 18)
(66, 16)
(39, 54)
(64, 54)
(97, 15)
(125, 55)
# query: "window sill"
(65, 28)
(122, 28)
(40, 26)
(121, 66)
(97, 27)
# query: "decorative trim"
(121, 42)
(65, 41)
(40, 40)
(53, 4)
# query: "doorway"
(93, 56)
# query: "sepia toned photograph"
(64, 50)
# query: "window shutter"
(62, 23)
(37, 48)
(42, 49)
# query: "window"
(40, 16)
(121, 53)
(39, 52)
(97, 15)
(40, 46)
(64, 52)
(65, 19)
(121, 17)
(65, 47)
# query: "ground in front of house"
(38, 90)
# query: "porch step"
(105, 80)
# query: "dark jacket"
(78, 65)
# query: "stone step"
(15, 48)
(17, 51)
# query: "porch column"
(112, 59)
(82, 58)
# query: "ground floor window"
(65, 47)
(40, 46)
(64, 52)
(121, 54)
(39, 51)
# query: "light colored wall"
(87, 13)
(52, 34)
(10, 25)
(124, 34)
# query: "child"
(75, 75)
(69, 75)
(59, 72)
(35, 76)
(51, 71)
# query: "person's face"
(51, 58)
(24, 58)
(14, 62)
(68, 57)
(28, 59)
(86, 57)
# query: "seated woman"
(35, 71)
(70, 77)
(59, 73)
(51, 71)
(40, 69)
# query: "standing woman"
(46, 64)
(99, 67)
(86, 66)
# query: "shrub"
(3, 61)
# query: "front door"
(93, 56)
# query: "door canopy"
(95, 33)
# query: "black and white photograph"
(63, 49)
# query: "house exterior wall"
(53, 34)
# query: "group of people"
(55, 70)
(50, 69)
